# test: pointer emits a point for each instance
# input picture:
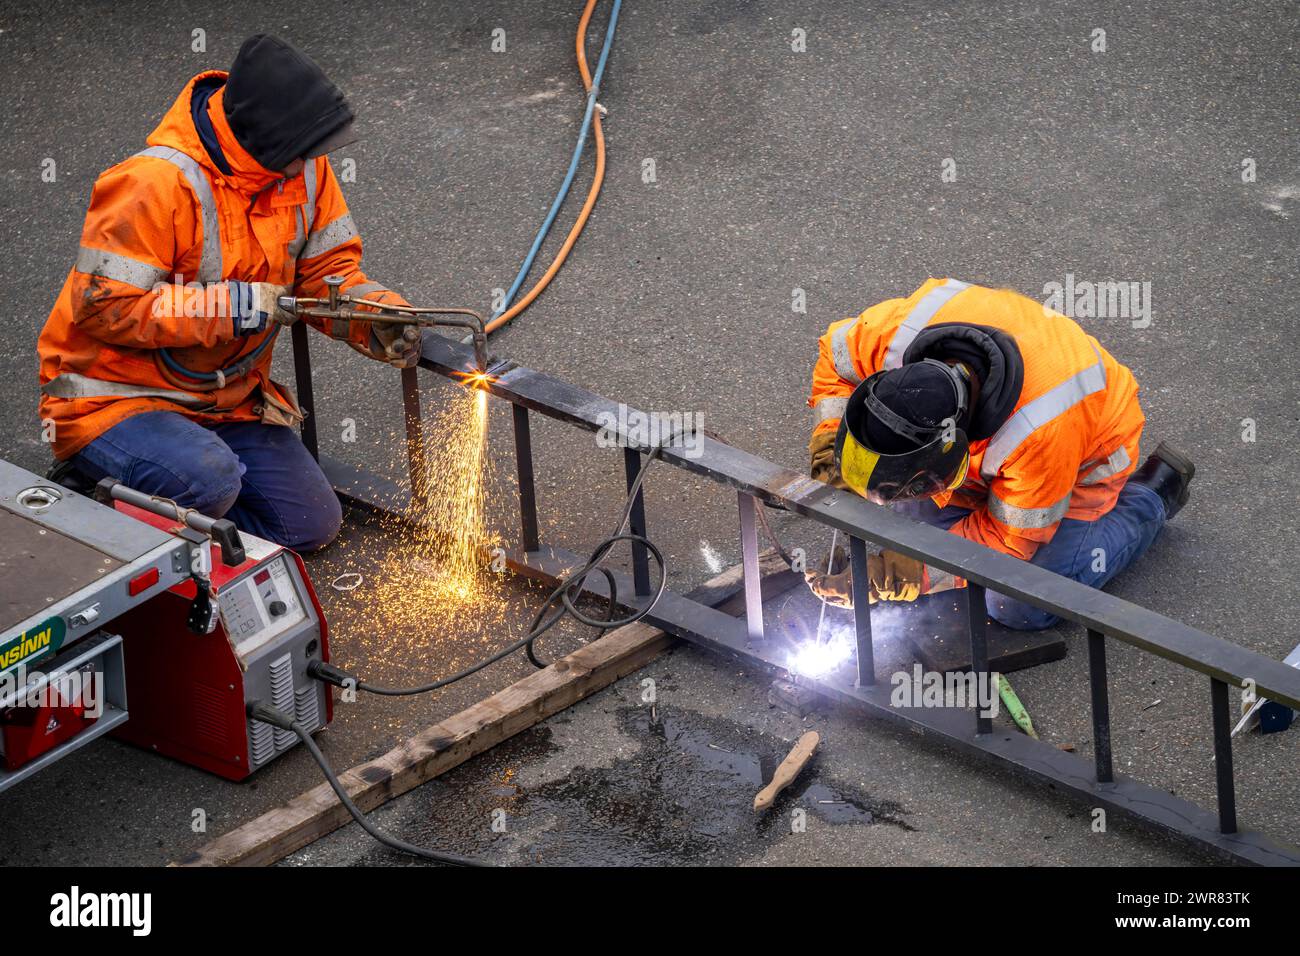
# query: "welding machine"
(189, 691)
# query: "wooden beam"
(434, 751)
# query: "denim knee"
(217, 478)
(1017, 615)
(318, 527)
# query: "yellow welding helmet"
(921, 460)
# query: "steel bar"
(1223, 757)
(636, 523)
(415, 463)
(977, 620)
(749, 561)
(1100, 706)
(866, 657)
(302, 378)
(772, 483)
(529, 534)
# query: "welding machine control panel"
(261, 605)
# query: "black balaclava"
(279, 103)
(993, 357)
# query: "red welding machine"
(188, 692)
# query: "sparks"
(438, 579)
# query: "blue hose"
(245, 361)
(573, 164)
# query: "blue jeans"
(1090, 552)
(259, 476)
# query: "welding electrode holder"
(339, 306)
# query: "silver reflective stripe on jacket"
(364, 290)
(210, 265)
(919, 318)
(1109, 468)
(76, 385)
(940, 580)
(331, 237)
(840, 353)
(1039, 412)
(1026, 518)
(309, 211)
(829, 408)
(110, 265)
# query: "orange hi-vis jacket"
(1070, 442)
(164, 229)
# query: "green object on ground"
(1015, 708)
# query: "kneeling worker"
(156, 360)
(981, 412)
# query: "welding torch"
(342, 307)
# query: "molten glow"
(474, 380)
(816, 658)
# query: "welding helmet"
(915, 449)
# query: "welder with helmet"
(982, 412)
(155, 363)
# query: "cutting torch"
(342, 307)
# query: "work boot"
(65, 473)
(1167, 472)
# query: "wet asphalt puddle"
(684, 796)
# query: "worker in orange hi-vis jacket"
(155, 361)
(983, 412)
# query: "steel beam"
(749, 562)
(302, 380)
(853, 515)
(529, 534)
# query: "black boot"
(1167, 472)
(65, 473)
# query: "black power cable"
(276, 718)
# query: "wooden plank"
(434, 751)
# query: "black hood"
(993, 357)
(279, 103)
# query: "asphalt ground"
(774, 170)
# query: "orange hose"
(590, 202)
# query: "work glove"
(396, 344)
(821, 448)
(895, 577)
(254, 304)
(831, 579)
